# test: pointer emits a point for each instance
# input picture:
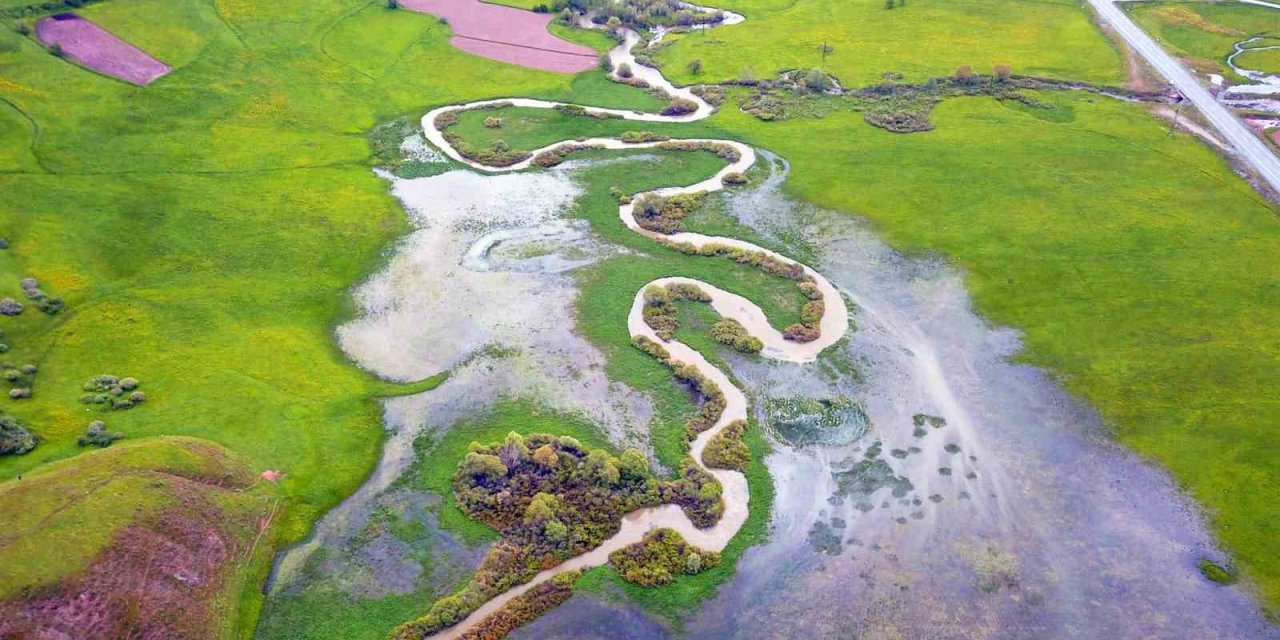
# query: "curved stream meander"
(834, 323)
(1042, 527)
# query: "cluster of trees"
(552, 499)
(665, 214)
(660, 310)
(114, 393)
(531, 604)
(727, 450)
(660, 556)
(638, 14)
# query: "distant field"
(921, 39)
(1203, 31)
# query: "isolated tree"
(1003, 71)
(695, 67)
(964, 74)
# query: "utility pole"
(1176, 112)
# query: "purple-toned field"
(99, 49)
(507, 34)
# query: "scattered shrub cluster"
(20, 379)
(113, 393)
(727, 449)
(521, 610)
(733, 177)
(726, 151)
(731, 332)
(638, 137)
(809, 327)
(15, 438)
(713, 400)
(659, 557)
(640, 14)
(97, 435)
(660, 311)
(499, 154)
(664, 214)
(47, 304)
(551, 499)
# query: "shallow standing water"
(1006, 514)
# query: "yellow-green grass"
(64, 514)
(922, 39)
(1203, 31)
(1264, 60)
(204, 230)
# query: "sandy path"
(835, 322)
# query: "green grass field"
(925, 38)
(1206, 33)
(205, 231)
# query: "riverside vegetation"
(1143, 315)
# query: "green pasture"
(1206, 32)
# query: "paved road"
(1253, 150)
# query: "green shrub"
(97, 435)
(727, 450)
(15, 438)
(660, 556)
(731, 332)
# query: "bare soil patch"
(99, 49)
(155, 581)
(507, 34)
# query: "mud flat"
(96, 48)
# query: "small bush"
(624, 71)
(15, 438)
(731, 332)
(680, 107)
(96, 435)
(20, 393)
(732, 178)
(56, 50)
(493, 122)
(10, 307)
